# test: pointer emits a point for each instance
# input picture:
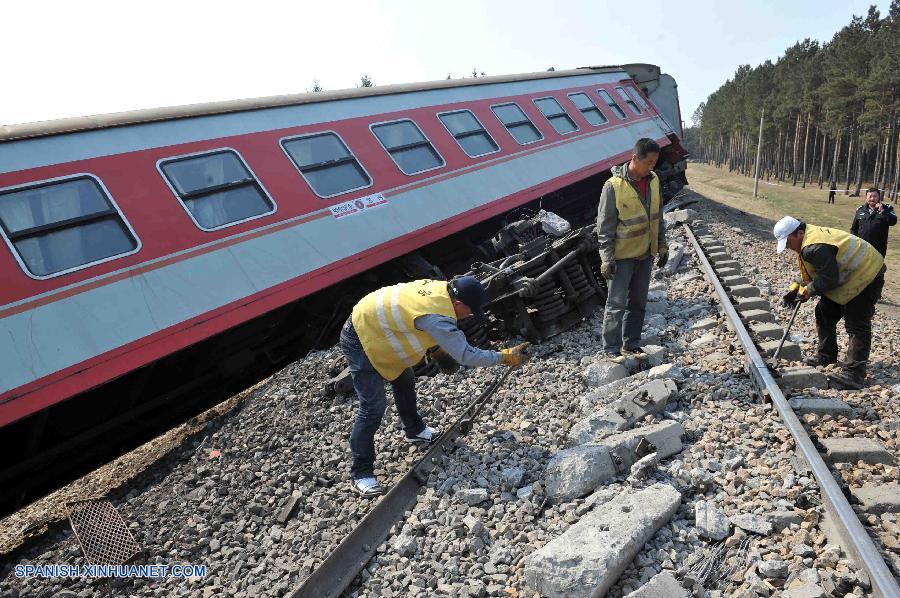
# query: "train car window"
(410, 149)
(588, 108)
(628, 100)
(327, 165)
(216, 188)
(637, 97)
(517, 123)
(468, 132)
(611, 103)
(58, 226)
(556, 114)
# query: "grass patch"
(774, 201)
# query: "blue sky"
(93, 57)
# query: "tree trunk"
(822, 153)
(850, 149)
(796, 152)
(877, 167)
(896, 185)
(859, 167)
(806, 150)
(832, 176)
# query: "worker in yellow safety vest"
(389, 331)
(848, 275)
(631, 233)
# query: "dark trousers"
(369, 386)
(857, 316)
(627, 300)
(831, 197)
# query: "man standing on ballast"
(631, 232)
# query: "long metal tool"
(787, 331)
(851, 530)
(346, 561)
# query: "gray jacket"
(608, 215)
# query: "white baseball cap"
(783, 228)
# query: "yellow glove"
(515, 356)
(803, 294)
(791, 296)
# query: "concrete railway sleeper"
(853, 535)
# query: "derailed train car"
(155, 262)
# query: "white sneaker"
(426, 436)
(367, 487)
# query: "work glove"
(663, 257)
(515, 356)
(447, 364)
(790, 298)
(608, 269)
(803, 294)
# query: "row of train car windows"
(54, 227)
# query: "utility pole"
(758, 152)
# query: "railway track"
(481, 516)
(854, 537)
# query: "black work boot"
(847, 380)
(819, 360)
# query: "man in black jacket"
(872, 220)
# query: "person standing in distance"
(872, 221)
(390, 331)
(631, 233)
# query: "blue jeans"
(627, 297)
(369, 386)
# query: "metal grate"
(101, 532)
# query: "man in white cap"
(848, 274)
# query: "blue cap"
(470, 291)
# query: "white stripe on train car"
(107, 317)
(57, 149)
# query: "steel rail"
(855, 538)
(345, 562)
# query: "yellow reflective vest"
(858, 262)
(385, 322)
(637, 231)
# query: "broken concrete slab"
(884, 498)
(576, 472)
(656, 354)
(600, 395)
(711, 521)
(766, 331)
(752, 523)
(661, 585)
(590, 556)
(622, 414)
(745, 303)
(803, 405)
(784, 519)
(851, 450)
(757, 315)
(744, 290)
(804, 590)
(602, 372)
(789, 352)
(685, 215)
(801, 377)
(626, 448)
